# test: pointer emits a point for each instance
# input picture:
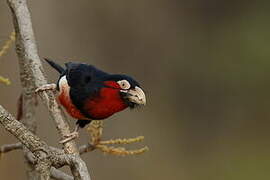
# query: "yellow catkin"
(7, 44)
(4, 50)
(120, 151)
(122, 141)
(4, 80)
(95, 129)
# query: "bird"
(88, 93)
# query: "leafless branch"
(86, 148)
(32, 77)
(55, 173)
(44, 156)
(59, 175)
(10, 147)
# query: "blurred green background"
(205, 65)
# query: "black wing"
(80, 75)
(84, 82)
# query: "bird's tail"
(57, 67)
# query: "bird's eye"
(124, 84)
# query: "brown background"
(205, 66)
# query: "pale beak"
(136, 96)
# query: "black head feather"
(119, 77)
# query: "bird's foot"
(46, 87)
(70, 137)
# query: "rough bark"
(40, 154)
(32, 77)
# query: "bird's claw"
(45, 88)
(70, 137)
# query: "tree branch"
(44, 156)
(59, 175)
(86, 148)
(55, 173)
(32, 77)
(10, 147)
(26, 137)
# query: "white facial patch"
(124, 84)
(63, 84)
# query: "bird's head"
(129, 90)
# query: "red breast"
(107, 103)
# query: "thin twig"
(86, 148)
(10, 147)
(59, 175)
